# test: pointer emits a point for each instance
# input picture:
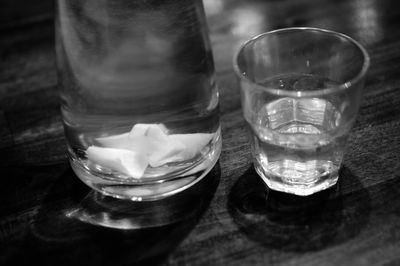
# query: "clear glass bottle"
(139, 99)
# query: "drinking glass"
(139, 100)
(300, 90)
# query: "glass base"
(287, 185)
(148, 189)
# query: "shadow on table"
(76, 225)
(293, 223)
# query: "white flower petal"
(127, 162)
(116, 141)
(193, 143)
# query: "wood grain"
(48, 216)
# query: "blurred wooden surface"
(48, 217)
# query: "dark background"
(48, 216)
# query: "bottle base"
(148, 190)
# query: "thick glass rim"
(342, 86)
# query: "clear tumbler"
(301, 91)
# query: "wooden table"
(48, 217)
